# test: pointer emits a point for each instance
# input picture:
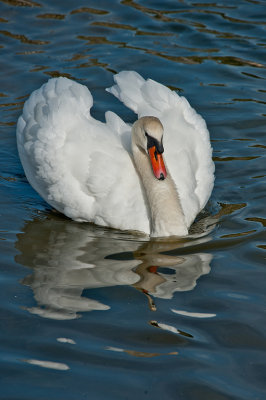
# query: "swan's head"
(147, 135)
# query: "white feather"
(84, 168)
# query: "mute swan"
(101, 173)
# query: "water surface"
(92, 313)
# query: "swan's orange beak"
(157, 163)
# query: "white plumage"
(84, 168)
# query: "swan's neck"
(165, 209)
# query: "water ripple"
(96, 313)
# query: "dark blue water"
(88, 313)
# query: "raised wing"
(188, 153)
(79, 165)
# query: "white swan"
(93, 171)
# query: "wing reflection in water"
(68, 257)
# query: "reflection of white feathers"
(69, 258)
(183, 276)
(69, 261)
(84, 168)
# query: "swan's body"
(90, 170)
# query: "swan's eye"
(152, 142)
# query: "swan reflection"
(68, 257)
